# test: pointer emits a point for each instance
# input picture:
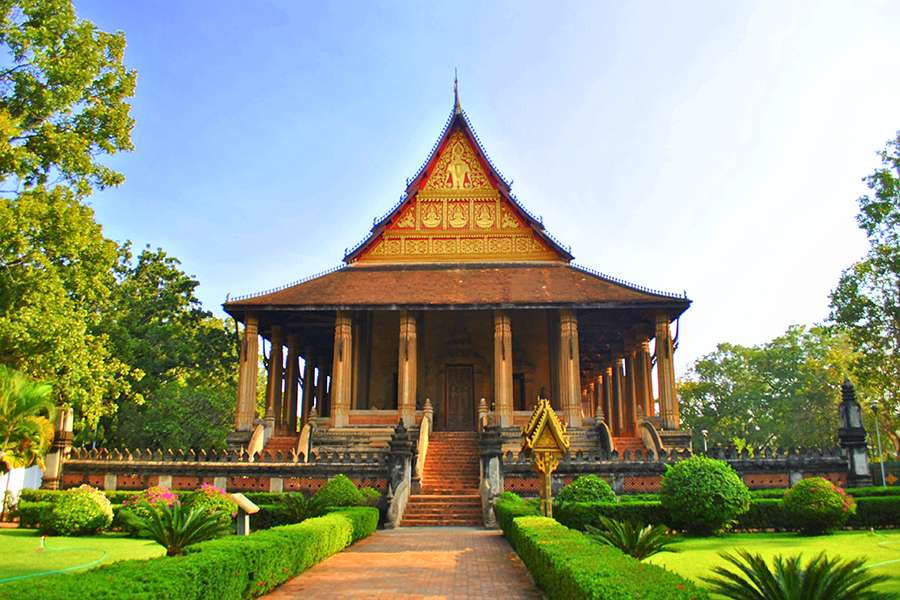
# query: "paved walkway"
(418, 562)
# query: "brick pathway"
(418, 562)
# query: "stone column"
(289, 411)
(341, 369)
(247, 375)
(600, 410)
(569, 368)
(407, 369)
(309, 382)
(665, 374)
(642, 372)
(631, 393)
(503, 369)
(608, 396)
(619, 390)
(55, 459)
(276, 373)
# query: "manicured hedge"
(508, 506)
(765, 513)
(29, 513)
(568, 565)
(229, 568)
(578, 514)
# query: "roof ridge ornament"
(457, 108)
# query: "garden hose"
(45, 548)
(883, 544)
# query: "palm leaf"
(634, 539)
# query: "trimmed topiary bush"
(339, 491)
(815, 506)
(703, 495)
(587, 488)
(79, 511)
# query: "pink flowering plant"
(137, 508)
(214, 500)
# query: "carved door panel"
(459, 398)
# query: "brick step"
(442, 523)
(419, 511)
(445, 499)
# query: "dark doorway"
(459, 398)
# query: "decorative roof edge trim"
(628, 284)
(334, 269)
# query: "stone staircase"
(283, 443)
(631, 444)
(449, 493)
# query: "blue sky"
(715, 147)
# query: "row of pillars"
(285, 410)
(621, 393)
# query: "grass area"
(697, 556)
(21, 553)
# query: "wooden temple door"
(459, 398)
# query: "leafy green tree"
(866, 301)
(63, 107)
(63, 97)
(781, 393)
(185, 396)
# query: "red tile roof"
(469, 285)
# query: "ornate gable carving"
(457, 216)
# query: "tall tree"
(63, 107)
(781, 393)
(185, 355)
(866, 301)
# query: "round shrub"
(214, 500)
(79, 511)
(339, 491)
(136, 508)
(587, 488)
(703, 495)
(816, 506)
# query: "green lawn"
(696, 556)
(21, 553)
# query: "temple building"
(459, 300)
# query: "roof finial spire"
(457, 109)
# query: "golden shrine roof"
(543, 417)
(470, 285)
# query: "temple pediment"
(458, 210)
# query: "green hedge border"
(228, 568)
(879, 512)
(568, 565)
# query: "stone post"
(276, 380)
(341, 369)
(289, 412)
(631, 414)
(399, 475)
(59, 450)
(608, 396)
(503, 369)
(247, 376)
(600, 410)
(665, 374)
(569, 368)
(309, 382)
(490, 447)
(406, 369)
(852, 437)
(619, 386)
(644, 384)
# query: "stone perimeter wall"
(639, 472)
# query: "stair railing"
(303, 444)
(651, 438)
(257, 442)
(422, 446)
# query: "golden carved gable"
(458, 215)
(458, 168)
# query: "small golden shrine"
(545, 436)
